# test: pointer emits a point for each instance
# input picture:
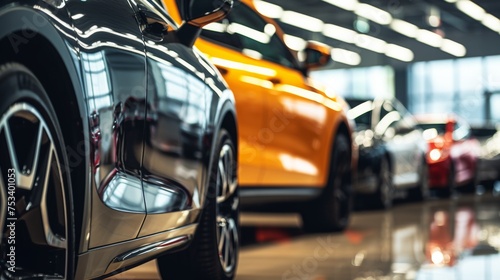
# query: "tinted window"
(247, 32)
(439, 127)
(361, 112)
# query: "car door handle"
(275, 80)
(222, 70)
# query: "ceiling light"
(434, 18)
(268, 9)
(471, 9)
(339, 33)
(491, 22)
(399, 52)
(453, 48)
(270, 29)
(349, 5)
(370, 43)
(345, 56)
(362, 25)
(430, 38)
(302, 21)
(295, 43)
(373, 13)
(215, 27)
(404, 27)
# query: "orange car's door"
(291, 140)
(300, 137)
(249, 82)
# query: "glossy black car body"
(391, 150)
(140, 128)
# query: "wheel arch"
(343, 128)
(62, 85)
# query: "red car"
(452, 153)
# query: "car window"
(249, 33)
(439, 128)
(361, 112)
(389, 118)
(461, 130)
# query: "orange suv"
(295, 143)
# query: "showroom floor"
(455, 238)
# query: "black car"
(118, 142)
(391, 151)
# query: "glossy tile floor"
(443, 239)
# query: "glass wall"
(463, 86)
(469, 87)
(367, 82)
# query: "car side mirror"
(316, 55)
(198, 13)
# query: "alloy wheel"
(227, 209)
(32, 186)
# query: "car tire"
(470, 187)
(422, 191)
(450, 188)
(35, 173)
(213, 254)
(385, 191)
(331, 211)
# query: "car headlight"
(435, 154)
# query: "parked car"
(391, 151)
(118, 142)
(489, 158)
(295, 143)
(453, 153)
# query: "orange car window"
(246, 31)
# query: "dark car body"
(387, 134)
(453, 152)
(489, 158)
(140, 112)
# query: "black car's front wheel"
(213, 254)
(36, 213)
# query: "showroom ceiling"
(393, 32)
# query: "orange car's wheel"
(331, 211)
(36, 217)
(213, 254)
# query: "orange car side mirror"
(316, 55)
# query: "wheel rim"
(40, 214)
(342, 189)
(227, 209)
(386, 189)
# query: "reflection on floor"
(441, 239)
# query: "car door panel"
(181, 94)
(113, 67)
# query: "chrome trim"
(97, 262)
(152, 247)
